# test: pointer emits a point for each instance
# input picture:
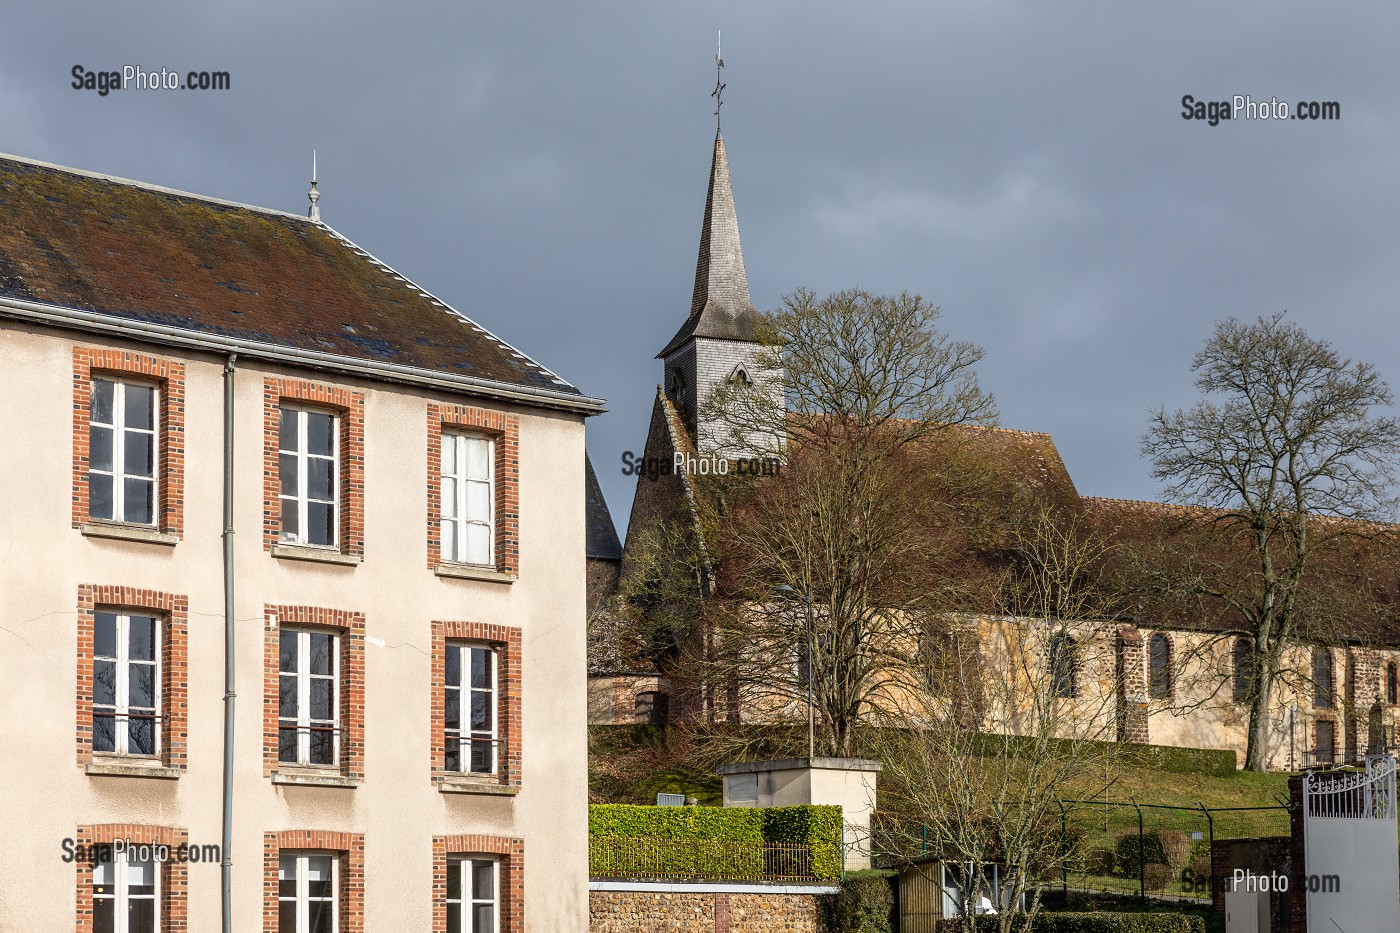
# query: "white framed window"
(308, 885)
(126, 701)
(123, 449)
(473, 894)
(470, 717)
(468, 498)
(308, 714)
(125, 896)
(308, 466)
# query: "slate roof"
(141, 253)
(602, 541)
(720, 306)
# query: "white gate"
(1350, 849)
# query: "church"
(1159, 677)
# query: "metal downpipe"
(226, 841)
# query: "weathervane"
(718, 92)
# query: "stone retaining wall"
(647, 911)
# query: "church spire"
(720, 306)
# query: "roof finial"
(315, 212)
(718, 92)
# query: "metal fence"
(1129, 847)
(646, 858)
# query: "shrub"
(1176, 848)
(1133, 851)
(1099, 862)
(1199, 868)
(1156, 876)
(865, 904)
(818, 827)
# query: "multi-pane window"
(1159, 666)
(125, 896)
(1243, 664)
(308, 473)
(125, 683)
(468, 465)
(1062, 666)
(122, 451)
(473, 895)
(469, 718)
(1322, 678)
(306, 893)
(308, 697)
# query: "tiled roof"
(602, 541)
(138, 253)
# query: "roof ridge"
(160, 189)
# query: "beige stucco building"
(406, 546)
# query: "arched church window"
(1062, 666)
(1243, 657)
(1159, 666)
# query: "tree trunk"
(1256, 756)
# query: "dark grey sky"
(542, 167)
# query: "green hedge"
(818, 827)
(720, 842)
(737, 824)
(864, 905)
(1096, 923)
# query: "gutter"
(76, 319)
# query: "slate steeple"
(719, 306)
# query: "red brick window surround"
(349, 407)
(350, 628)
(169, 468)
(504, 431)
(509, 854)
(349, 852)
(505, 642)
(172, 873)
(171, 612)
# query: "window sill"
(463, 784)
(123, 767)
(316, 554)
(457, 571)
(128, 533)
(314, 778)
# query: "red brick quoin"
(174, 873)
(511, 853)
(506, 639)
(350, 626)
(350, 407)
(170, 470)
(349, 847)
(172, 612)
(505, 431)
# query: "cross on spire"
(718, 92)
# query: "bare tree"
(1284, 442)
(982, 789)
(862, 391)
